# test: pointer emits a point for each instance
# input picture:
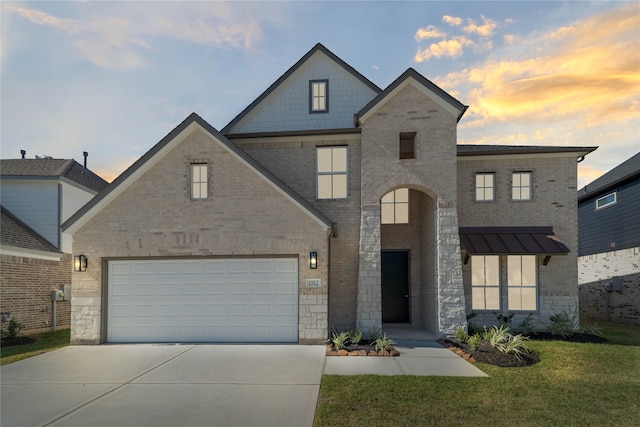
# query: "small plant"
(474, 341)
(505, 319)
(339, 340)
(14, 330)
(591, 329)
(561, 324)
(471, 327)
(526, 326)
(383, 343)
(374, 334)
(461, 335)
(497, 335)
(515, 344)
(355, 337)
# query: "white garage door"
(204, 300)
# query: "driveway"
(164, 385)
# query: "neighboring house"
(36, 196)
(328, 203)
(609, 244)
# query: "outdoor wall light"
(313, 260)
(79, 263)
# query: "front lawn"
(575, 384)
(44, 342)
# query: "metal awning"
(511, 241)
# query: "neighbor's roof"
(448, 100)
(48, 168)
(495, 150)
(624, 171)
(317, 48)
(16, 233)
(130, 175)
(511, 240)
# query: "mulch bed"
(9, 342)
(360, 350)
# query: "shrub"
(355, 337)
(591, 329)
(14, 330)
(562, 324)
(339, 340)
(383, 343)
(515, 345)
(526, 326)
(474, 341)
(461, 335)
(497, 335)
(504, 319)
(374, 334)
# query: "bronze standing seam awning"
(511, 241)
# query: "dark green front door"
(395, 287)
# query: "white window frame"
(390, 200)
(481, 190)
(481, 288)
(316, 96)
(199, 181)
(335, 173)
(517, 284)
(607, 204)
(517, 188)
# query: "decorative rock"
(354, 353)
(342, 352)
(362, 352)
(395, 352)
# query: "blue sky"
(113, 78)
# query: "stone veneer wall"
(25, 291)
(594, 271)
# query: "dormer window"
(319, 96)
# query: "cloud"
(588, 72)
(484, 30)
(121, 36)
(452, 20)
(451, 48)
(430, 32)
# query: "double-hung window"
(485, 187)
(332, 172)
(521, 186)
(394, 207)
(485, 282)
(199, 180)
(523, 282)
(319, 96)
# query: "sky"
(113, 78)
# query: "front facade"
(327, 204)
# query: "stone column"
(369, 302)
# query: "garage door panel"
(214, 300)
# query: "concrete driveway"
(164, 385)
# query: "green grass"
(45, 341)
(574, 385)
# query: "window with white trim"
(199, 181)
(485, 186)
(608, 200)
(319, 96)
(394, 207)
(521, 184)
(485, 282)
(522, 287)
(332, 172)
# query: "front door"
(395, 287)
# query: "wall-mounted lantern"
(79, 263)
(313, 260)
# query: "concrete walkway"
(420, 358)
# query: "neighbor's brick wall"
(596, 270)
(25, 291)
(554, 203)
(243, 216)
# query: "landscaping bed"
(485, 353)
(367, 349)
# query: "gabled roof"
(511, 240)
(164, 146)
(50, 168)
(317, 48)
(16, 233)
(496, 150)
(431, 89)
(624, 171)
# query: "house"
(327, 204)
(36, 196)
(609, 244)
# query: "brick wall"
(25, 291)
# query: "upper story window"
(407, 145)
(319, 96)
(523, 282)
(199, 181)
(521, 184)
(608, 200)
(332, 172)
(485, 282)
(394, 207)
(485, 186)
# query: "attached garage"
(203, 300)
